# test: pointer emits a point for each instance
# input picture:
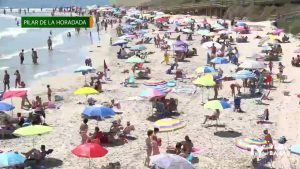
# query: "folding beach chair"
(131, 82)
(264, 96)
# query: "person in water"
(49, 41)
(34, 56)
(21, 55)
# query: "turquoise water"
(68, 53)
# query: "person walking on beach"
(83, 131)
(148, 147)
(270, 66)
(18, 79)
(49, 43)
(6, 80)
(105, 25)
(21, 55)
(34, 56)
(49, 93)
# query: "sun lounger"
(264, 96)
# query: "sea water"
(66, 56)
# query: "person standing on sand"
(6, 80)
(105, 25)
(148, 147)
(21, 55)
(49, 41)
(49, 93)
(18, 79)
(83, 131)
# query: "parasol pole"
(89, 162)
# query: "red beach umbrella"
(89, 150)
(15, 93)
(161, 20)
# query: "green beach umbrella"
(134, 59)
(32, 130)
(217, 105)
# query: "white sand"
(219, 152)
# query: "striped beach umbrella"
(252, 143)
(168, 124)
(150, 93)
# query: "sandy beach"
(218, 144)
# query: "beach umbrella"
(85, 69)
(85, 91)
(15, 93)
(217, 26)
(187, 31)
(133, 23)
(297, 50)
(119, 43)
(180, 49)
(134, 59)
(209, 44)
(11, 159)
(98, 111)
(277, 31)
(89, 150)
(219, 60)
(217, 105)
(150, 93)
(205, 69)
(252, 65)
(253, 143)
(295, 149)
(179, 43)
(244, 74)
(266, 48)
(6, 107)
(206, 81)
(160, 20)
(205, 32)
(32, 130)
(127, 37)
(168, 124)
(170, 161)
(224, 32)
(241, 24)
(138, 47)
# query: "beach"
(218, 144)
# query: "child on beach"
(83, 131)
(166, 58)
(49, 92)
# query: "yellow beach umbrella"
(206, 81)
(168, 124)
(32, 130)
(85, 91)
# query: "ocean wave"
(12, 32)
(45, 73)
(57, 41)
(9, 16)
(4, 68)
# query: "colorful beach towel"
(155, 83)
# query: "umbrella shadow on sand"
(48, 163)
(228, 134)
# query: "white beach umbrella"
(170, 161)
(209, 44)
(250, 64)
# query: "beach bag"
(282, 140)
(58, 98)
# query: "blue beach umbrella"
(217, 104)
(11, 159)
(98, 111)
(84, 69)
(295, 149)
(138, 47)
(219, 60)
(6, 107)
(244, 74)
(205, 69)
(119, 43)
